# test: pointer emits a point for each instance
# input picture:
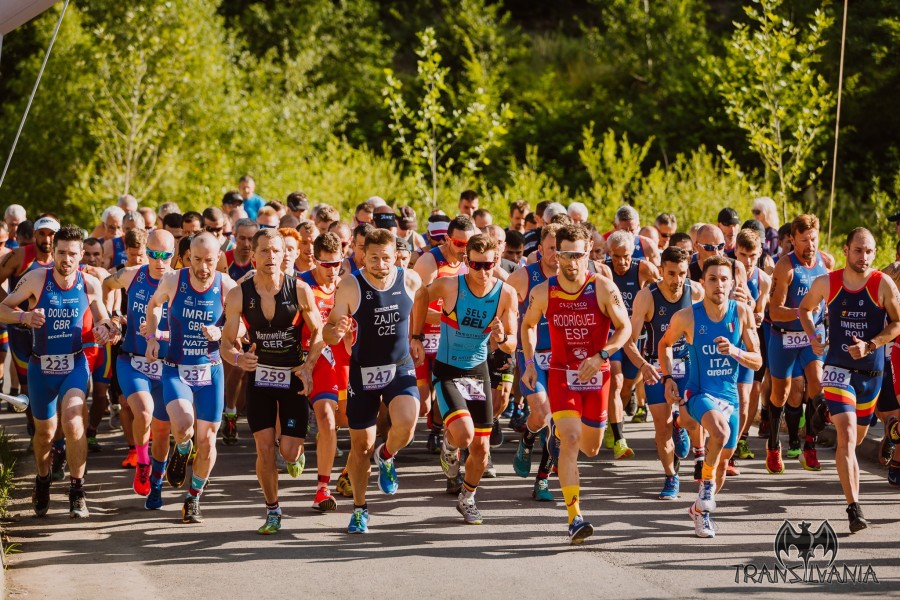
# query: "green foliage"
(7, 466)
(774, 92)
(614, 168)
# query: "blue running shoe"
(670, 488)
(553, 444)
(506, 414)
(579, 530)
(387, 473)
(154, 499)
(682, 442)
(894, 474)
(522, 461)
(359, 521)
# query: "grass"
(7, 464)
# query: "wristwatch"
(418, 336)
(871, 347)
(604, 355)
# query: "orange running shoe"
(130, 461)
(774, 464)
(142, 480)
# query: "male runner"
(630, 276)
(379, 300)
(579, 307)
(524, 281)
(58, 299)
(864, 315)
(713, 330)
(653, 308)
(192, 377)
(476, 308)
(273, 305)
(788, 344)
(140, 379)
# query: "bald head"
(710, 234)
(204, 242)
(161, 240)
(496, 233)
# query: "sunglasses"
(756, 211)
(712, 247)
(329, 264)
(571, 254)
(459, 243)
(665, 236)
(482, 265)
(267, 227)
(159, 254)
(214, 229)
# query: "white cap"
(438, 228)
(47, 223)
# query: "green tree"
(614, 167)
(773, 92)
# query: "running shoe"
(855, 516)
(774, 464)
(894, 474)
(698, 468)
(886, 449)
(359, 521)
(795, 449)
(621, 449)
(706, 496)
(682, 442)
(130, 461)
(704, 526)
(518, 422)
(272, 524)
(579, 530)
(154, 500)
(78, 505)
(496, 434)
(743, 450)
(93, 444)
(176, 470)
(58, 463)
(640, 415)
(820, 417)
(115, 422)
(280, 463)
(435, 437)
(522, 461)
(553, 444)
(764, 428)
(324, 501)
(508, 412)
(810, 461)
(343, 486)
(454, 486)
(190, 512)
(541, 491)
(295, 469)
(449, 460)
(731, 469)
(609, 440)
(229, 430)
(142, 480)
(670, 488)
(387, 473)
(40, 497)
(466, 507)
(489, 471)
(631, 407)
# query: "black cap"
(756, 226)
(729, 216)
(384, 220)
(232, 199)
(297, 201)
(894, 217)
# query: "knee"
(591, 450)
(568, 439)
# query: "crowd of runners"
(170, 325)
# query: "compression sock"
(617, 431)
(529, 436)
(183, 447)
(196, 488)
(792, 415)
(157, 470)
(775, 415)
(810, 441)
(546, 464)
(143, 453)
(570, 495)
(76, 484)
(273, 507)
(707, 474)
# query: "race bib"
(470, 388)
(836, 377)
(594, 383)
(430, 343)
(273, 377)
(195, 375)
(328, 354)
(542, 360)
(793, 340)
(149, 369)
(378, 378)
(723, 405)
(679, 368)
(57, 364)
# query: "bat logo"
(805, 543)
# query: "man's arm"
(641, 312)
(426, 268)
(648, 273)
(519, 282)
(507, 314)
(164, 292)
(313, 319)
(108, 254)
(121, 279)
(28, 288)
(818, 291)
(339, 320)
(697, 293)
(230, 350)
(781, 283)
(890, 300)
(104, 329)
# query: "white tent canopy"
(14, 13)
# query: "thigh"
(403, 384)
(261, 405)
(781, 359)
(130, 380)
(362, 405)
(209, 400)
(867, 388)
(325, 383)
(595, 404)
(43, 392)
(293, 410)
(564, 402)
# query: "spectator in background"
(578, 212)
(191, 223)
(692, 232)
(252, 202)
(666, 225)
(482, 218)
(298, 205)
(344, 234)
(288, 222)
(363, 214)
(496, 233)
(515, 247)
(766, 212)
(518, 209)
(468, 203)
(598, 247)
(375, 202)
(267, 218)
(172, 223)
(785, 246)
(115, 248)
(325, 216)
(236, 214)
(14, 215)
(437, 230)
(542, 214)
(149, 217)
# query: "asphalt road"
(418, 546)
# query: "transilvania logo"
(805, 556)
